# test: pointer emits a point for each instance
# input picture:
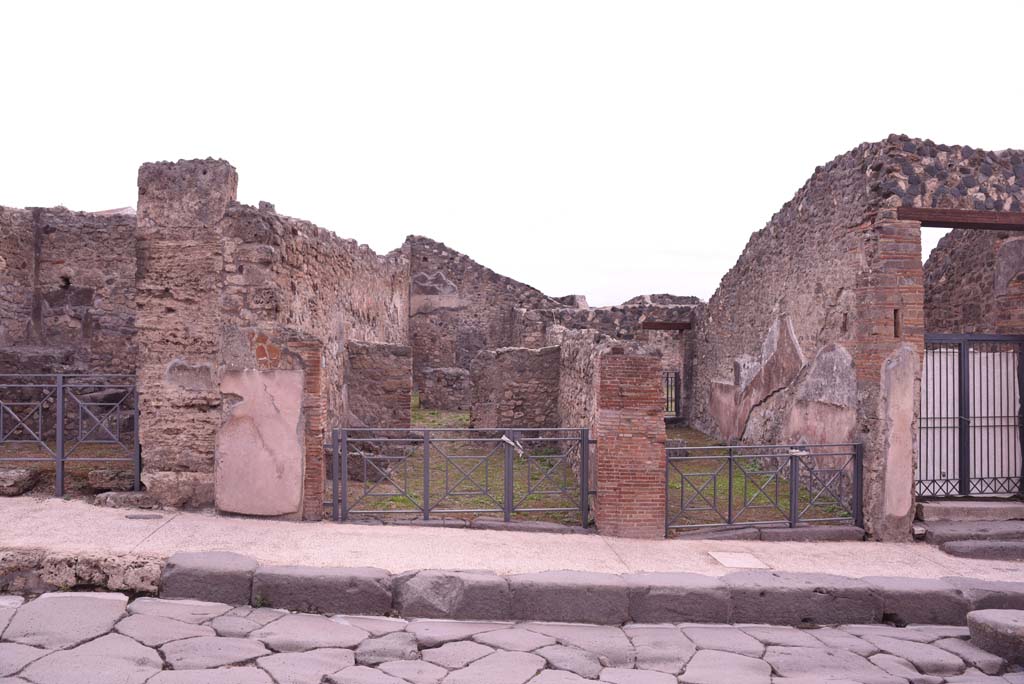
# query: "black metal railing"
(743, 485)
(460, 472)
(69, 419)
(671, 385)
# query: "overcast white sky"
(608, 149)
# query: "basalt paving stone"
(925, 657)
(453, 595)
(310, 666)
(610, 644)
(937, 632)
(11, 601)
(208, 652)
(1000, 632)
(219, 576)
(63, 620)
(5, 617)
(430, 633)
(360, 674)
(514, 639)
(455, 655)
(361, 591)
(977, 677)
(234, 626)
(396, 646)
(594, 597)
(501, 667)
(301, 632)
(111, 658)
(376, 626)
(413, 671)
(724, 638)
(791, 598)
(975, 657)
(228, 675)
(832, 637)
(153, 630)
(718, 667)
(575, 660)
(914, 600)
(773, 635)
(617, 675)
(902, 633)
(548, 677)
(14, 657)
(676, 597)
(898, 667)
(822, 664)
(183, 610)
(661, 648)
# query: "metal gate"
(670, 381)
(970, 420)
(420, 473)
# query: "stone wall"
(458, 308)
(446, 388)
(67, 291)
(243, 316)
(379, 384)
(515, 387)
(965, 277)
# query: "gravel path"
(101, 638)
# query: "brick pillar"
(630, 434)
(889, 349)
(314, 410)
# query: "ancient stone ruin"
(253, 334)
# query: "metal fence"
(419, 473)
(671, 385)
(741, 485)
(68, 420)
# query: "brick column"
(889, 348)
(314, 410)
(630, 434)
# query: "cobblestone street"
(93, 638)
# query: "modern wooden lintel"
(962, 218)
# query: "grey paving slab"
(228, 675)
(823, 664)
(183, 610)
(153, 630)
(837, 638)
(972, 676)
(360, 674)
(989, 663)
(456, 655)
(394, 646)
(233, 626)
(781, 635)
(501, 667)
(609, 644)
(717, 667)
(661, 648)
(376, 626)
(309, 666)
(300, 632)
(514, 639)
(414, 671)
(943, 631)
(898, 667)
(209, 652)
(925, 657)
(575, 660)
(618, 675)
(110, 658)
(11, 600)
(5, 617)
(63, 620)
(219, 576)
(724, 638)
(551, 677)
(902, 633)
(430, 633)
(14, 657)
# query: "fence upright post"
(426, 475)
(137, 484)
(59, 465)
(584, 477)
(730, 514)
(343, 484)
(858, 484)
(509, 464)
(794, 489)
(964, 424)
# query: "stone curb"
(781, 598)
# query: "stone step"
(986, 549)
(982, 530)
(957, 510)
(999, 631)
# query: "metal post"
(964, 381)
(335, 511)
(730, 515)
(794, 489)
(60, 435)
(426, 475)
(585, 477)
(1020, 407)
(678, 395)
(858, 484)
(137, 484)
(509, 463)
(668, 481)
(343, 513)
